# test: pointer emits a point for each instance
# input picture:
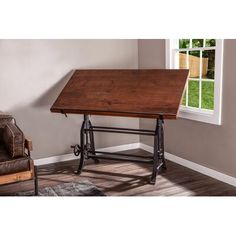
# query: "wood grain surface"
(130, 93)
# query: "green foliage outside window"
(196, 43)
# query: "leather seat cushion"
(10, 166)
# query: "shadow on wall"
(48, 97)
(52, 133)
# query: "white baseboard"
(194, 166)
(71, 156)
(55, 159)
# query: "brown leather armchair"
(15, 164)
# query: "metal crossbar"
(122, 158)
(121, 131)
(117, 128)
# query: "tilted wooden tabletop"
(130, 93)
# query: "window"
(203, 91)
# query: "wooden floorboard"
(128, 179)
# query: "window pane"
(193, 93)
(197, 43)
(208, 64)
(210, 43)
(184, 43)
(208, 95)
(194, 64)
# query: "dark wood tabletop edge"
(113, 113)
(77, 70)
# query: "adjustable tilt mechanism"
(86, 149)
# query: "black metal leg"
(162, 146)
(35, 181)
(92, 143)
(158, 155)
(87, 136)
(81, 162)
(87, 145)
(155, 155)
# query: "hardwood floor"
(128, 179)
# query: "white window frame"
(200, 114)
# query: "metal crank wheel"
(77, 149)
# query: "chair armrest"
(28, 144)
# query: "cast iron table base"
(87, 150)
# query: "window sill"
(195, 114)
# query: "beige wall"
(209, 145)
(33, 72)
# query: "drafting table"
(153, 93)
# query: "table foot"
(77, 172)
